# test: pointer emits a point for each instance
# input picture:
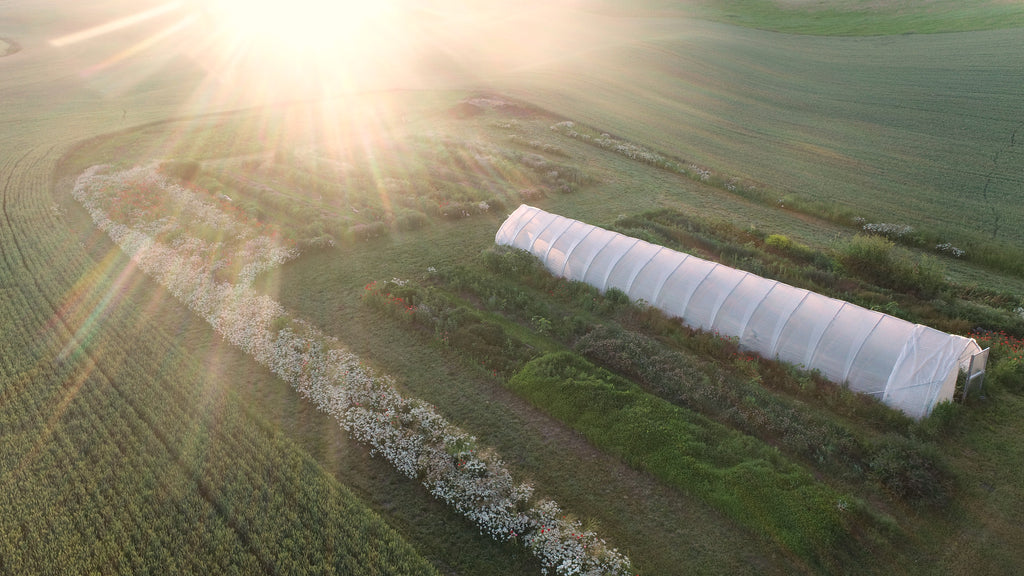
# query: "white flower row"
(634, 152)
(888, 230)
(629, 150)
(255, 253)
(417, 440)
(948, 248)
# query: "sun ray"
(142, 45)
(114, 25)
(81, 296)
(71, 389)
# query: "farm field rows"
(119, 405)
(836, 119)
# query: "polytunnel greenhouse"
(908, 366)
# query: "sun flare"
(306, 28)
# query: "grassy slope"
(926, 138)
(839, 17)
(327, 286)
(313, 286)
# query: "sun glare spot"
(308, 27)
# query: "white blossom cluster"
(629, 150)
(567, 127)
(236, 245)
(953, 251)
(563, 544)
(417, 440)
(888, 230)
(606, 141)
(635, 152)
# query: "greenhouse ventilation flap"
(908, 366)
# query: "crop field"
(250, 331)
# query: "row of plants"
(955, 244)
(716, 463)
(740, 397)
(807, 416)
(748, 481)
(518, 285)
(418, 441)
(870, 271)
(319, 207)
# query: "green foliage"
(779, 242)
(748, 481)
(946, 419)
(866, 19)
(1006, 374)
(470, 333)
(413, 220)
(319, 242)
(369, 231)
(876, 260)
(512, 263)
(911, 470)
(186, 170)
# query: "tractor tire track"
(4, 194)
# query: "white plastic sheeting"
(909, 366)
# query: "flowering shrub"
(418, 441)
(1004, 347)
(891, 231)
(640, 154)
(947, 248)
(228, 244)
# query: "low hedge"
(748, 481)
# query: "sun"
(309, 28)
(304, 48)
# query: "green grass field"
(838, 17)
(135, 438)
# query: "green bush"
(363, 232)
(743, 478)
(945, 420)
(911, 470)
(779, 242)
(512, 263)
(411, 221)
(185, 170)
(876, 260)
(1005, 374)
(315, 243)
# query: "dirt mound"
(464, 110)
(8, 47)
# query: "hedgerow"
(745, 479)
